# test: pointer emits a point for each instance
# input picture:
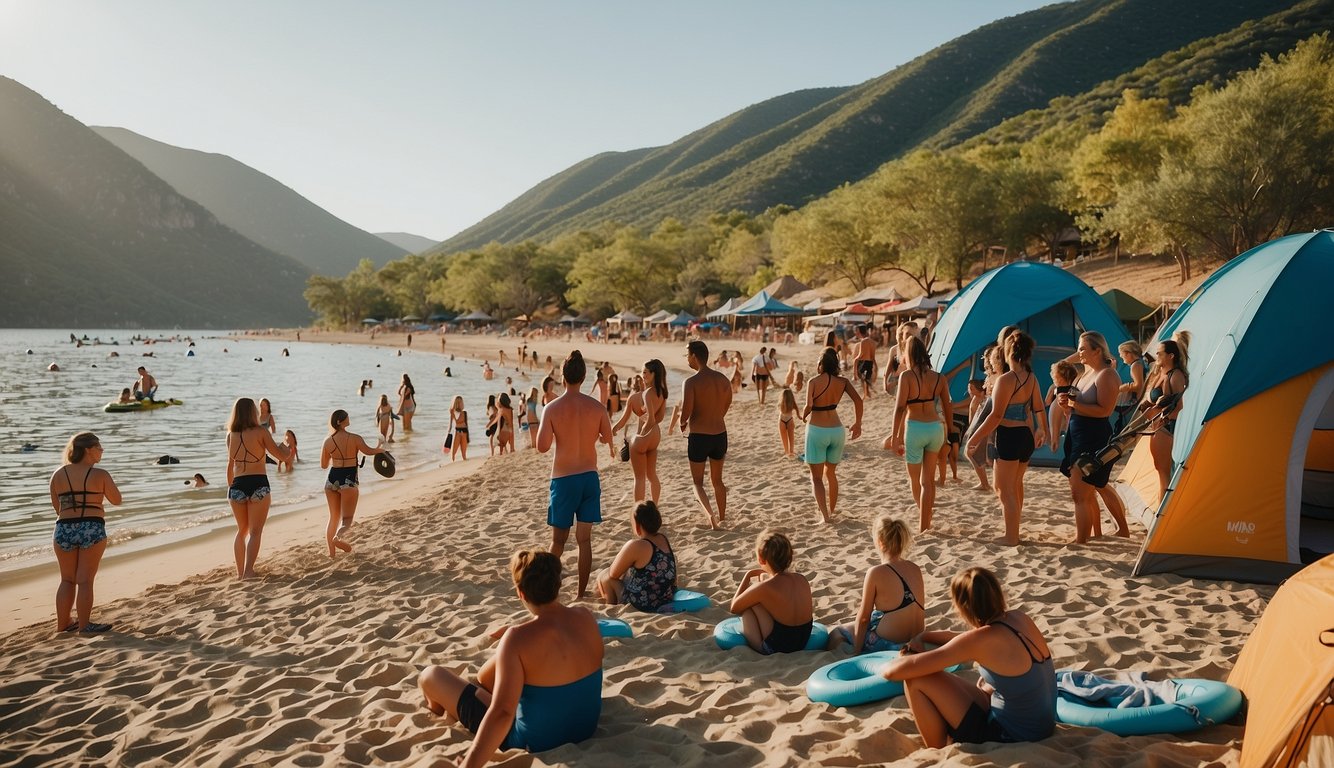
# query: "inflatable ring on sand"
(728, 635)
(614, 628)
(1199, 703)
(856, 680)
(685, 601)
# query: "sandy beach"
(315, 663)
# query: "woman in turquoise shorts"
(825, 435)
(543, 687)
(922, 396)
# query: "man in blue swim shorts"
(574, 424)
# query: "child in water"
(891, 611)
(775, 604)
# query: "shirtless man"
(575, 423)
(865, 359)
(704, 402)
(146, 386)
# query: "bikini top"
(1018, 411)
(829, 407)
(244, 455)
(908, 597)
(342, 456)
(73, 499)
(917, 400)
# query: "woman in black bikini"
(891, 611)
(247, 481)
(775, 605)
(339, 455)
(1170, 378)
(1090, 406)
(78, 490)
(1015, 402)
(459, 419)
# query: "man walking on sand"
(707, 396)
(759, 372)
(575, 423)
(865, 358)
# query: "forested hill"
(90, 238)
(407, 241)
(798, 147)
(258, 206)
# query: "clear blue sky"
(425, 117)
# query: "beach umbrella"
(411, 319)
(370, 321)
(476, 315)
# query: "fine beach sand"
(315, 663)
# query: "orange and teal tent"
(1251, 495)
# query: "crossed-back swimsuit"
(1016, 443)
(341, 477)
(78, 532)
(873, 642)
(251, 487)
(920, 437)
(824, 445)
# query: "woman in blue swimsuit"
(1016, 401)
(339, 455)
(825, 434)
(1016, 698)
(644, 572)
(543, 687)
(891, 611)
(248, 482)
(78, 490)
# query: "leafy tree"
(831, 238)
(327, 297)
(363, 290)
(632, 272)
(407, 283)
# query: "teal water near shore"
(45, 408)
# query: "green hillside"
(798, 147)
(257, 206)
(91, 238)
(407, 241)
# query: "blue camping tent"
(1048, 303)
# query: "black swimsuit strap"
(1029, 646)
(908, 597)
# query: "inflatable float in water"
(139, 405)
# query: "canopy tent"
(410, 319)
(1046, 302)
(661, 316)
(728, 308)
(681, 319)
(1286, 671)
(1251, 493)
(370, 321)
(813, 306)
(885, 307)
(786, 287)
(919, 306)
(440, 317)
(624, 317)
(476, 316)
(857, 309)
(869, 296)
(572, 320)
(1133, 312)
(763, 305)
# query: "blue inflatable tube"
(614, 628)
(728, 635)
(854, 681)
(1199, 703)
(685, 601)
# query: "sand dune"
(315, 663)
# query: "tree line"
(1232, 168)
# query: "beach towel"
(1129, 689)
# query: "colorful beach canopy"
(1252, 491)
(681, 318)
(1046, 302)
(762, 304)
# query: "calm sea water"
(45, 409)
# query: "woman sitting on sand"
(78, 491)
(384, 419)
(891, 611)
(247, 482)
(1170, 379)
(1016, 402)
(825, 434)
(339, 455)
(775, 605)
(650, 405)
(922, 396)
(543, 686)
(1015, 700)
(644, 572)
(459, 419)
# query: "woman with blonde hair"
(384, 418)
(78, 491)
(1132, 354)
(247, 481)
(891, 611)
(1089, 407)
(1015, 699)
(458, 418)
(341, 489)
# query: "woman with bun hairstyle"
(644, 571)
(891, 611)
(339, 455)
(1015, 699)
(78, 491)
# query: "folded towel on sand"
(1128, 689)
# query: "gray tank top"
(1024, 705)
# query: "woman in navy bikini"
(1169, 379)
(1016, 698)
(78, 491)
(891, 611)
(341, 490)
(248, 482)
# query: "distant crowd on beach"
(997, 426)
